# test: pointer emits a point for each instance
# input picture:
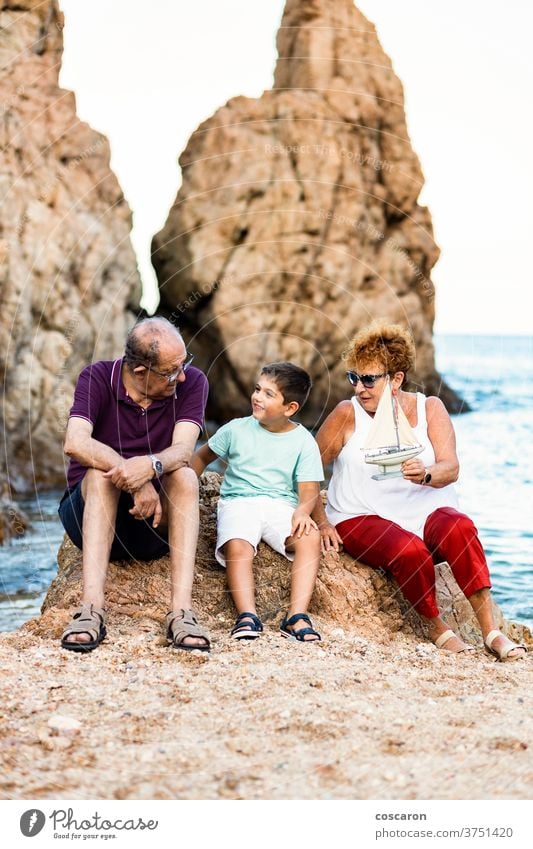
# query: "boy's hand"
(330, 539)
(302, 523)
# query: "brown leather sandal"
(89, 620)
(181, 624)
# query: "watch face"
(159, 467)
(427, 479)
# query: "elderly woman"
(405, 524)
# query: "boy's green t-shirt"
(265, 463)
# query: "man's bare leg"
(99, 516)
(181, 513)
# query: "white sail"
(383, 433)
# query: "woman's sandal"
(447, 635)
(301, 633)
(89, 620)
(247, 626)
(182, 624)
(505, 653)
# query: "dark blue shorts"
(135, 539)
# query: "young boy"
(269, 491)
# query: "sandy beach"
(349, 719)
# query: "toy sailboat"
(391, 439)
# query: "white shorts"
(254, 519)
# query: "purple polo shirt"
(100, 398)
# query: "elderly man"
(131, 494)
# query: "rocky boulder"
(68, 275)
(297, 221)
(348, 594)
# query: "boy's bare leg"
(239, 556)
(99, 515)
(304, 571)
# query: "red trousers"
(448, 535)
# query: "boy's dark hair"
(292, 381)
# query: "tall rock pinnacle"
(297, 220)
(68, 274)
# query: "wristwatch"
(157, 465)
(427, 478)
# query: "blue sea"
(494, 374)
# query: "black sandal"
(243, 630)
(301, 633)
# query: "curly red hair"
(389, 344)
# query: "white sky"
(147, 73)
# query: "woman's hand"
(413, 470)
(329, 537)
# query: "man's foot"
(299, 627)
(448, 641)
(248, 626)
(86, 629)
(183, 631)
(502, 647)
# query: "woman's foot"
(446, 640)
(502, 647)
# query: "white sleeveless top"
(352, 492)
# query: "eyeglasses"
(173, 375)
(368, 380)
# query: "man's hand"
(146, 503)
(330, 539)
(131, 474)
(301, 523)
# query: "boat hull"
(390, 463)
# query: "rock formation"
(297, 220)
(347, 594)
(68, 274)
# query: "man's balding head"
(148, 340)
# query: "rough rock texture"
(13, 520)
(297, 220)
(373, 712)
(68, 274)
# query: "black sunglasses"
(368, 380)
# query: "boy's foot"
(248, 626)
(304, 633)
